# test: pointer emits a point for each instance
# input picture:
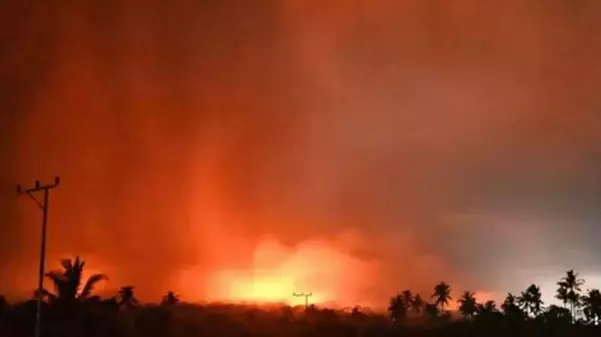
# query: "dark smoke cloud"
(459, 139)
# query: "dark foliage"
(71, 313)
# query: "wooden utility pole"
(44, 207)
(306, 296)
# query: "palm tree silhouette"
(442, 295)
(467, 304)
(562, 295)
(568, 290)
(531, 300)
(127, 298)
(170, 299)
(510, 305)
(397, 308)
(592, 306)
(417, 304)
(68, 281)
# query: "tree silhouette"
(397, 308)
(487, 308)
(170, 299)
(356, 312)
(562, 295)
(467, 304)
(568, 290)
(557, 315)
(417, 304)
(591, 303)
(511, 308)
(442, 295)
(531, 300)
(127, 298)
(68, 281)
(509, 303)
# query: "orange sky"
(351, 149)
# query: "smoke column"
(216, 148)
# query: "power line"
(306, 296)
(44, 207)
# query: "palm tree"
(170, 299)
(127, 298)
(442, 295)
(510, 303)
(531, 300)
(68, 281)
(467, 304)
(511, 309)
(592, 306)
(568, 290)
(397, 308)
(417, 305)
(562, 295)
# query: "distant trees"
(405, 303)
(591, 303)
(487, 308)
(523, 315)
(407, 297)
(127, 299)
(417, 304)
(170, 299)
(397, 308)
(528, 306)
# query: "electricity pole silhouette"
(306, 296)
(44, 207)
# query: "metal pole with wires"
(306, 296)
(44, 207)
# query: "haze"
(348, 148)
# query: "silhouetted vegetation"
(73, 310)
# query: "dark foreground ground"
(104, 318)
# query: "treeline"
(579, 307)
(72, 310)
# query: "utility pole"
(44, 207)
(306, 296)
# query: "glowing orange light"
(263, 286)
(276, 272)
